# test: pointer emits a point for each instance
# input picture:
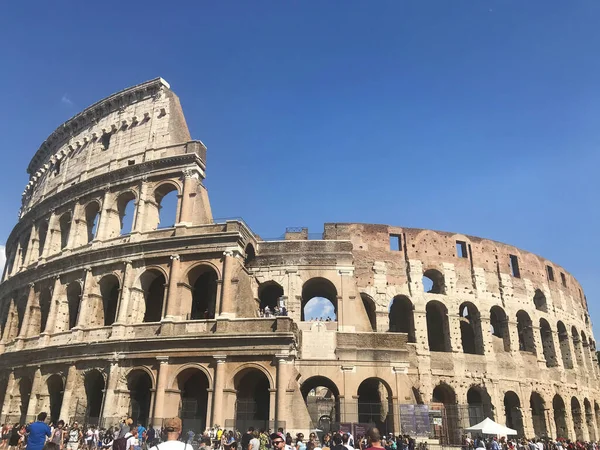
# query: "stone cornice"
(92, 113)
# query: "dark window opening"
(461, 249)
(395, 242)
(550, 272)
(131, 162)
(563, 278)
(105, 139)
(433, 282)
(539, 300)
(57, 167)
(514, 266)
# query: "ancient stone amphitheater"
(106, 310)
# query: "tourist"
(374, 438)
(264, 439)
(141, 433)
(4, 435)
(278, 441)
(150, 436)
(247, 437)
(38, 432)
(107, 439)
(131, 438)
(58, 435)
(254, 443)
(346, 441)
(300, 445)
(229, 442)
(74, 436)
(173, 431)
(337, 442)
(288, 442)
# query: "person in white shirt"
(173, 429)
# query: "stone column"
(400, 371)
(35, 393)
(455, 336)
(281, 415)
(103, 232)
(140, 224)
(75, 229)
(10, 385)
(26, 319)
(31, 247)
(161, 386)
(51, 236)
(219, 384)
(539, 347)
(349, 406)
(53, 306)
(227, 308)
(65, 409)
(110, 405)
(84, 305)
(172, 307)
(549, 417)
(190, 180)
(557, 349)
(123, 307)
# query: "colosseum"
(106, 310)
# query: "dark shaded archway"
(375, 404)
(438, 330)
(499, 326)
(24, 394)
(577, 416)
(166, 197)
(203, 280)
(560, 417)
(139, 384)
(313, 291)
(126, 210)
(45, 303)
(470, 329)
(55, 391)
(252, 399)
(110, 290)
(92, 217)
(42, 235)
(538, 415)
(153, 284)
(65, 229)
(512, 411)
(565, 347)
(269, 294)
(433, 282)
(249, 255)
(94, 391)
(445, 395)
(589, 420)
(322, 399)
(370, 309)
(193, 407)
(539, 300)
(74, 301)
(525, 332)
(480, 405)
(548, 344)
(402, 318)
(577, 346)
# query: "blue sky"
(476, 116)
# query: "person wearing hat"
(173, 429)
(277, 441)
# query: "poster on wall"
(407, 419)
(360, 429)
(422, 425)
(345, 427)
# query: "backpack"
(120, 444)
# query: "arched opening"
(586, 352)
(126, 210)
(74, 301)
(322, 399)
(252, 399)
(65, 229)
(94, 392)
(438, 330)
(23, 245)
(560, 417)
(470, 329)
(480, 405)
(539, 300)
(369, 306)
(512, 410)
(25, 394)
(194, 386)
(577, 419)
(577, 346)
(433, 282)
(153, 284)
(109, 290)
(445, 395)
(538, 415)
(167, 198)
(269, 294)
(499, 327)
(203, 280)
(565, 348)
(42, 234)
(402, 318)
(55, 391)
(597, 415)
(139, 384)
(45, 302)
(589, 419)
(319, 299)
(21, 304)
(375, 404)
(525, 331)
(250, 254)
(92, 217)
(548, 344)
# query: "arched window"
(438, 330)
(444, 394)
(565, 348)
(250, 254)
(45, 302)
(322, 399)
(369, 306)
(499, 327)
(203, 280)
(74, 300)
(139, 384)
(577, 418)
(470, 329)
(319, 300)
(126, 210)
(65, 229)
(402, 318)
(480, 405)
(525, 331)
(512, 411)
(94, 391)
(589, 419)
(92, 216)
(539, 300)
(42, 234)
(269, 294)
(55, 392)
(577, 346)
(252, 399)
(153, 284)
(433, 282)
(109, 290)
(193, 385)
(375, 404)
(25, 394)
(548, 344)
(23, 245)
(166, 197)
(560, 417)
(538, 414)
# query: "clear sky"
(477, 116)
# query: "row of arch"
(81, 226)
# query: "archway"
(269, 294)
(166, 197)
(525, 332)
(589, 419)
(94, 391)
(193, 406)
(126, 210)
(586, 352)
(577, 418)
(370, 309)
(548, 344)
(24, 394)
(470, 329)
(319, 299)
(74, 300)
(42, 235)
(375, 404)
(139, 384)
(433, 282)
(499, 326)
(402, 318)
(577, 346)
(443, 394)
(55, 391)
(45, 303)
(539, 300)
(438, 330)
(92, 217)
(538, 415)
(565, 348)
(65, 229)
(322, 399)
(252, 399)
(597, 415)
(480, 405)
(152, 283)
(109, 290)
(560, 417)
(512, 410)
(203, 280)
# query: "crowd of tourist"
(276, 311)
(494, 443)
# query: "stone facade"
(99, 320)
